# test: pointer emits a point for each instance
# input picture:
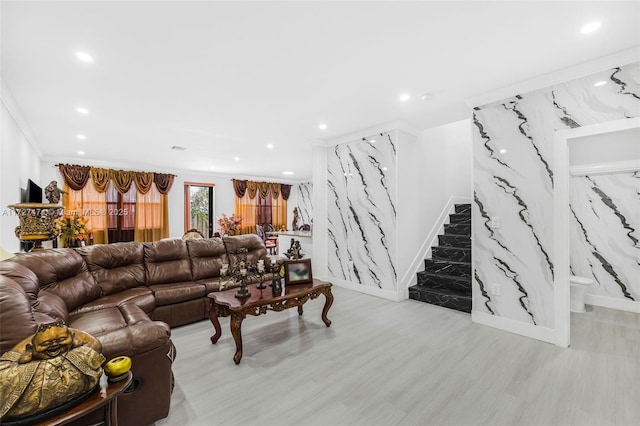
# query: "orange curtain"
(247, 209)
(152, 218)
(279, 212)
(92, 206)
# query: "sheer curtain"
(92, 206)
(260, 203)
(151, 216)
(279, 212)
(247, 209)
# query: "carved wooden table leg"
(299, 309)
(236, 324)
(213, 316)
(327, 304)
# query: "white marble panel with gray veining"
(513, 180)
(304, 193)
(605, 233)
(361, 179)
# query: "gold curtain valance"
(77, 177)
(262, 189)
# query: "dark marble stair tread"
(451, 253)
(461, 208)
(448, 267)
(457, 229)
(440, 298)
(460, 241)
(460, 218)
(452, 284)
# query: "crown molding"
(583, 69)
(382, 128)
(12, 107)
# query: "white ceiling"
(225, 79)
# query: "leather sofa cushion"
(167, 294)
(167, 261)
(207, 256)
(116, 267)
(16, 318)
(23, 276)
(139, 296)
(211, 284)
(122, 330)
(252, 242)
(52, 305)
(64, 273)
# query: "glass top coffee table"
(225, 303)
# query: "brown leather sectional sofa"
(128, 296)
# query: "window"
(199, 207)
(121, 213)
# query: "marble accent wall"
(513, 180)
(361, 204)
(304, 192)
(605, 233)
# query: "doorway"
(561, 256)
(199, 207)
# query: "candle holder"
(242, 271)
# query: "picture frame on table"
(297, 271)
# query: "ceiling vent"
(178, 148)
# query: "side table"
(106, 397)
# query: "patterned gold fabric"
(39, 385)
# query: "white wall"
(19, 162)
(433, 171)
(447, 153)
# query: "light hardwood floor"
(408, 363)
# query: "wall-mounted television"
(33, 193)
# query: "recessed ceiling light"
(82, 137)
(80, 152)
(82, 110)
(384, 168)
(270, 146)
(372, 141)
(287, 173)
(503, 151)
(591, 27)
(322, 126)
(600, 83)
(236, 158)
(405, 97)
(84, 57)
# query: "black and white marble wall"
(304, 192)
(605, 233)
(361, 212)
(513, 180)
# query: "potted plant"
(73, 231)
(230, 225)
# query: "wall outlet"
(495, 289)
(495, 222)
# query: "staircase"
(446, 279)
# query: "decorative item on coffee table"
(243, 271)
(297, 271)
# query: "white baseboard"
(613, 303)
(438, 227)
(392, 295)
(517, 327)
